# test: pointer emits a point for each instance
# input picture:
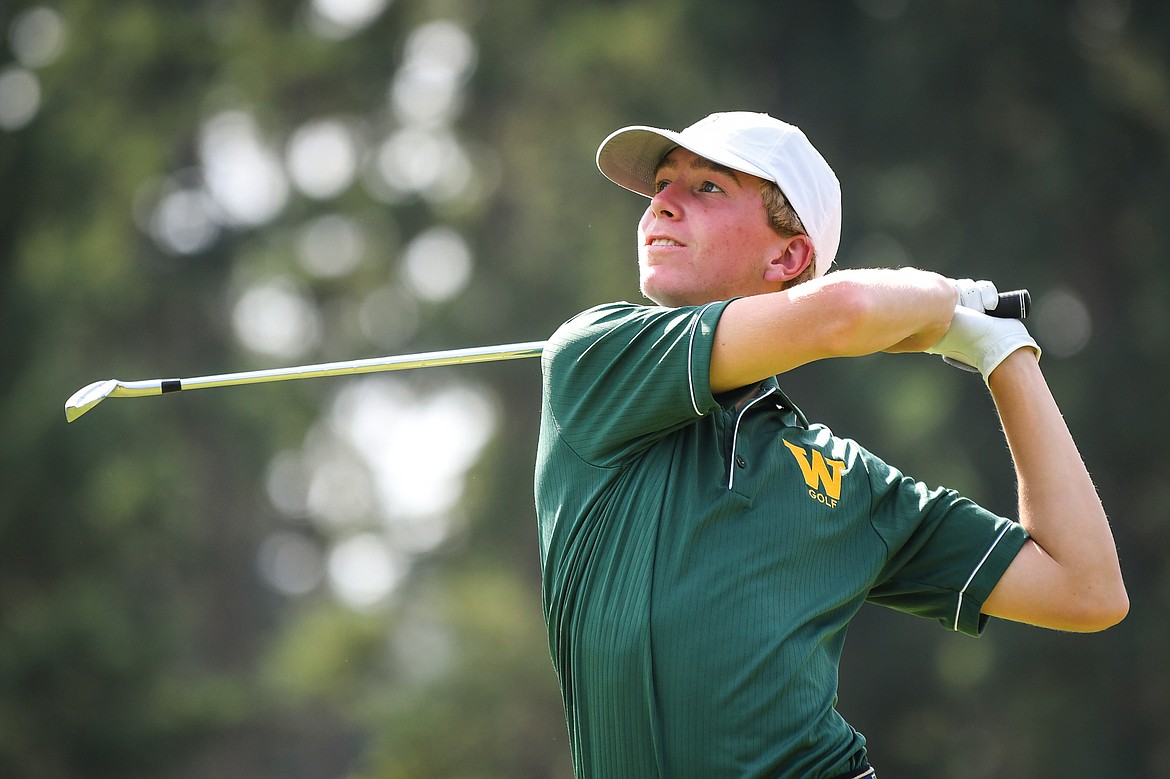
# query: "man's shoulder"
(607, 318)
(593, 324)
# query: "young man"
(704, 546)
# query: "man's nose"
(664, 203)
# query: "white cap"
(749, 142)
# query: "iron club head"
(87, 397)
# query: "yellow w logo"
(819, 473)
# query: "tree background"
(339, 578)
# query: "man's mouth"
(663, 242)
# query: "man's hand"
(981, 296)
(978, 342)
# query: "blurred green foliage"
(141, 633)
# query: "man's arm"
(1067, 576)
(845, 314)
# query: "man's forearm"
(892, 310)
(845, 314)
(1072, 576)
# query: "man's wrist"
(1017, 365)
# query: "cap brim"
(629, 157)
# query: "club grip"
(1016, 304)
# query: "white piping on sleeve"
(691, 359)
(959, 606)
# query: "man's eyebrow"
(702, 163)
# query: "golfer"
(704, 545)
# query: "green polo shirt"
(703, 556)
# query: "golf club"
(1012, 305)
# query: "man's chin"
(671, 290)
(659, 298)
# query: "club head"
(87, 397)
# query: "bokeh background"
(339, 577)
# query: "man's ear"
(794, 256)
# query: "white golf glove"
(979, 295)
(978, 342)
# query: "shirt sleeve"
(619, 376)
(945, 552)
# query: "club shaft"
(349, 367)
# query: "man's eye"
(710, 186)
(660, 185)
